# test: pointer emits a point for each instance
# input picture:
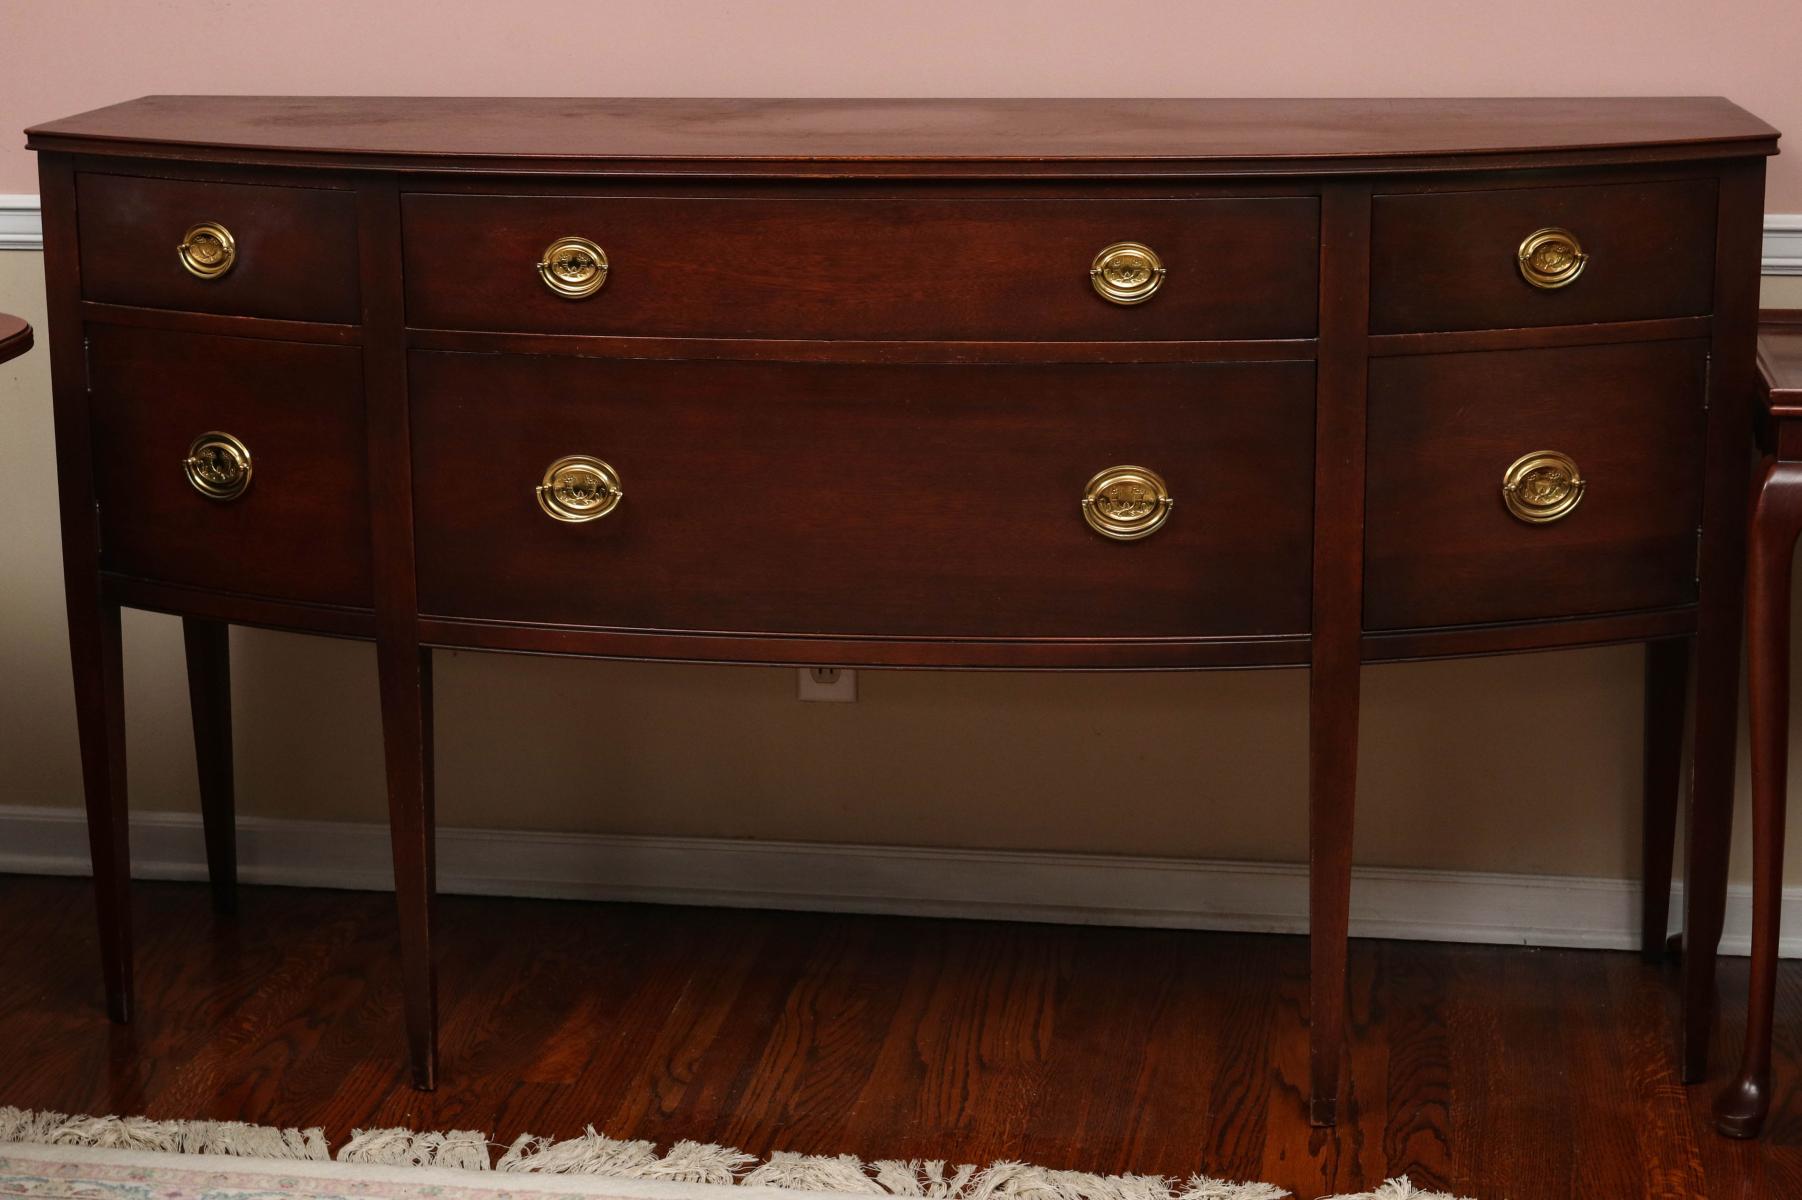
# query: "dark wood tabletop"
(15, 336)
(1215, 135)
(1780, 359)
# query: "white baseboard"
(1008, 885)
(22, 228)
(21, 222)
(1782, 244)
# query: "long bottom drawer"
(929, 501)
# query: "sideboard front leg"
(208, 645)
(1666, 693)
(404, 667)
(406, 681)
(1336, 646)
(1727, 486)
(1709, 830)
(95, 650)
(1332, 787)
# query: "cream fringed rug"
(50, 1156)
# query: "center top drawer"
(849, 267)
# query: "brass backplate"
(573, 267)
(579, 487)
(218, 465)
(1551, 258)
(1126, 503)
(208, 250)
(1542, 487)
(1127, 272)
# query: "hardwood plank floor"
(1499, 1072)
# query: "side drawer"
(751, 267)
(293, 249)
(1450, 260)
(870, 500)
(1442, 545)
(299, 531)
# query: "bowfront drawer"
(1533, 483)
(895, 501)
(864, 268)
(1519, 257)
(232, 464)
(251, 250)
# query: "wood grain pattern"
(1443, 548)
(900, 501)
(301, 531)
(829, 267)
(850, 136)
(1488, 1071)
(1446, 260)
(296, 247)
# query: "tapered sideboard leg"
(208, 646)
(95, 650)
(1715, 721)
(406, 680)
(1666, 694)
(1776, 521)
(1332, 788)
(1336, 651)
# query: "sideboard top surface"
(1215, 135)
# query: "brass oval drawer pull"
(208, 250)
(1126, 503)
(1127, 272)
(1542, 487)
(573, 267)
(579, 487)
(218, 465)
(1550, 258)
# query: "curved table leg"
(1776, 520)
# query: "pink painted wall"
(63, 56)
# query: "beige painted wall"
(1527, 763)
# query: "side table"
(1776, 521)
(15, 337)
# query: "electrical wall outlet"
(836, 684)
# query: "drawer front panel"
(1442, 546)
(300, 529)
(1450, 260)
(928, 501)
(864, 269)
(294, 249)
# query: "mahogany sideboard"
(1063, 385)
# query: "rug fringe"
(1399, 1189)
(594, 1153)
(168, 1137)
(463, 1149)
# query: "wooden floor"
(1502, 1073)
